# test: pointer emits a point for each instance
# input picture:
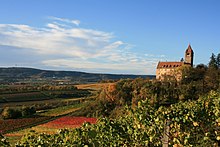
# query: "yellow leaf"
(195, 124)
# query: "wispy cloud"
(61, 44)
(76, 22)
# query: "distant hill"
(18, 74)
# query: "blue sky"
(106, 36)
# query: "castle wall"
(162, 73)
(168, 73)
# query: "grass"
(96, 86)
(63, 110)
(13, 139)
(16, 136)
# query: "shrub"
(10, 113)
(3, 141)
(27, 111)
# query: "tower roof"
(189, 49)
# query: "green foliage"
(129, 92)
(190, 123)
(27, 111)
(218, 60)
(63, 110)
(96, 108)
(195, 123)
(3, 141)
(213, 62)
(10, 113)
(13, 112)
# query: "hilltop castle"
(167, 70)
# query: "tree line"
(32, 88)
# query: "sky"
(106, 36)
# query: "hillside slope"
(15, 74)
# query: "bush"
(10, 113)
(27, 111)
(13, 113)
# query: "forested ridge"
(31, 75)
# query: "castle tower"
(189, 55)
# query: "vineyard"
(69, 122)
(190, 123)
(13, 124)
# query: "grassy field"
(62, 110)
(96, 86)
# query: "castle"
(167, 70)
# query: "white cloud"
(76, 22)
(120, 67)
(65, 45)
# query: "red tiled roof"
(169, 64)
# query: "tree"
(218, 60)
(211, 79)
(213, 62)
(187, 74)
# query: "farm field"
(69, 122)
(10, 125)
(51, 127)
(85, 91)
(14, 124)
(51, 114)
(40, 96)
(23, 97)
(62, 110)
(96, 86)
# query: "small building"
(168, 70)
